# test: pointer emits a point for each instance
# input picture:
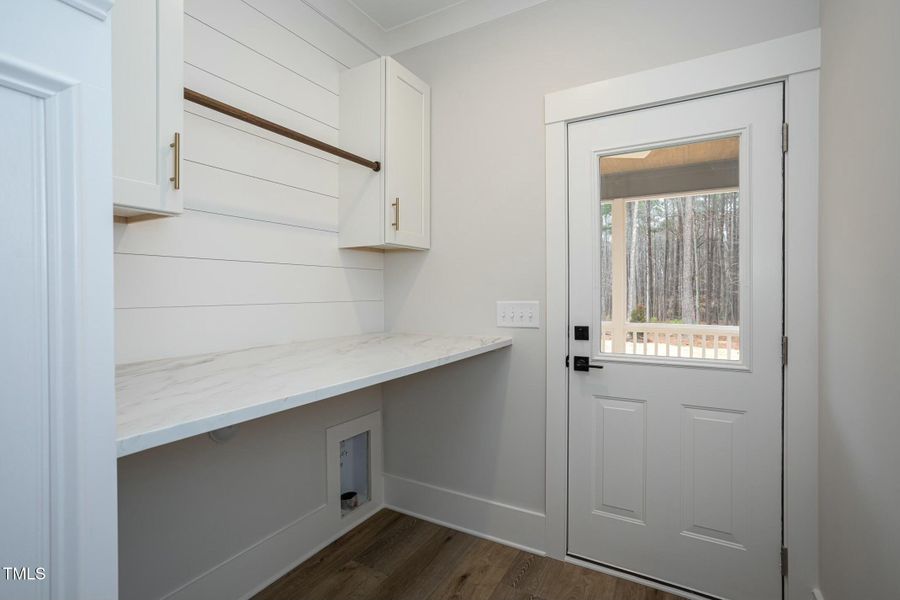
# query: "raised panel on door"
(147, 84)
(24, 376)
(619, 446)
(714, 475)
(407, 158)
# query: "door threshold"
(663, 586)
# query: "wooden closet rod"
(237, 113)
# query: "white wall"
(859, 479)
(478, 428)
(253, 261)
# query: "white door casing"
(794, 60)
(57, 435)
(675, 471)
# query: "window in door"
(669, 251)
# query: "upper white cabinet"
(147, 105)
(385, 116)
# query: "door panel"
(710, 469)
(619, 458)
(24, 372)
(675, 243)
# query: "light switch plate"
(522, 313)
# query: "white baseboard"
(503, 523)
(817, 594)
(251, 570)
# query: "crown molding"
(99, 9)
(453, 19)
(351, 20)
(427, 28)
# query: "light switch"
(525, 313)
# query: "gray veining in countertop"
(162, 401)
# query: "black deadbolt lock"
(582, 332)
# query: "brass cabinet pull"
(176, 178)
(396, 205)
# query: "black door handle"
(583, 363)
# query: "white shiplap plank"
(254, 260)
(229, 93)
(201, 235)
(146, 334)
(216, 53)
(155, 281)
(213, 143)
(207, 114)
(309, 25)
(245, 24)
(222, 192)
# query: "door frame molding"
(794, 60)
(74, 192)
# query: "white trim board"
(759, 63)
(466, 14)
(495, 521)
(239, 573)
(794, 60)
(801, 314)
(511, 526)
(99, 9)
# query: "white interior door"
(57, 403)
(675, 253)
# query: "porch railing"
(715, 342)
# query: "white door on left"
(57, 409)
(24, 428)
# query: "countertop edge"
(144, 441)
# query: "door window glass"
(669, 251)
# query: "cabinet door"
(147, 85)
(407, 159)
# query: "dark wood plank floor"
(396, 557)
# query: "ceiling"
(390, 14)
(391, 26)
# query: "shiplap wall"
(254, 258)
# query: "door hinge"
(784, 351)
(784, 137)
(567, 361)
(784, 561)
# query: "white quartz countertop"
(162, 401)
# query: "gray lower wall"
(186, 507)
(859, 424)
